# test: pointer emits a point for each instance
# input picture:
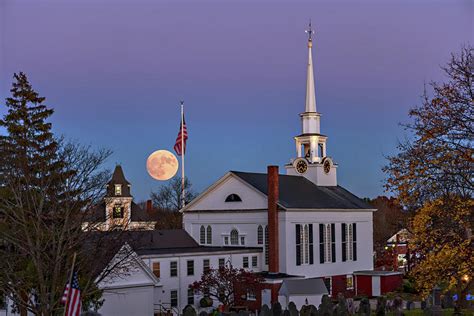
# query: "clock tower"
(311, 159)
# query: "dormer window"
(117, 211)
(118, 189)
(233, 198)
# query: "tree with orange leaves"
(432, 176)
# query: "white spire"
(310, 94)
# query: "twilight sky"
(115, 70)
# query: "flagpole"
(183, 202)
(70, 282)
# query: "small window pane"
(226, 240)
(173, 268)
(245, 263)
(190, 264)
(202, 235)
(242, 240)
(221, 262)
(205, 265)
(118, 189)
(260, 235)
(254, 261)
(118, 211)
(234, 237)
(174, 298)
(209, 235)
(190, 296)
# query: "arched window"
(202, 235)
(209, 235)
(233, 198)
(234, 237)
(260, 235)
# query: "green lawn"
(419, 312)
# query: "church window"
(260, 235)
(221, 262)
(174, 298)
(190, 267)
(202, 235)
(156, 269)
(118, 189)
(266, 244)
(173, 268)
(349, 242)
(226, 240)
(209, 235)
(242, 240)
(327, 243)
(234, 237)
(304, 244)
(190, 296)
(245, 262)
(206, 265)
(254, 261)
(233, 198)
(118, 211)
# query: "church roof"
(300, 193)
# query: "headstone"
(189, 311)
(364, 307)
(292, 309)
(341, 307)
(276, 309)
(381, 306)
(326, 307)
(265, 311)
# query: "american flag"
(177, 145)
(72, 297)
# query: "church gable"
(229, 193)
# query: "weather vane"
(310, 31)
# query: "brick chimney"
(272, 197)
(149, 206)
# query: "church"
(303, 232)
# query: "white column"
(313, 149)
(298, 149)
(324, 150)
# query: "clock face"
(327, 166)
(301, 166)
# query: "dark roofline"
(199, 249)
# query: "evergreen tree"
(46, 186)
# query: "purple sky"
(115, 71)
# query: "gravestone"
(325, 308)
(381, 306)
(265, 311)
(364, 307)
(341, 307)
(292, 309)
(189, 311)
(276, 309)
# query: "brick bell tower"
(118, 201)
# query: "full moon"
(162, 165)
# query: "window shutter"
(321, 243)
(354, 241)
(311, 255)
(344, 241)
(333, 242)
(298, 244)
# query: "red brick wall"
(390, 283)
(364, 285)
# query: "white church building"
(304, 233)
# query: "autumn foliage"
(432, 176)
(227, 284)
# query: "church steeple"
(310, 94)
(311, 159)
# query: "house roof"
(300, 193)
(312, 286)
(377, 272)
